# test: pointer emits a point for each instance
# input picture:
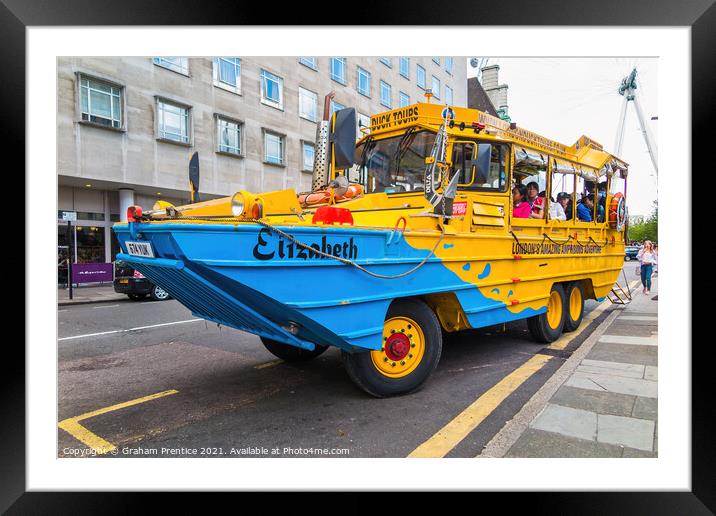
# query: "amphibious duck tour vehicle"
(406, 234)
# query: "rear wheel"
(574, 309)
(547, 327)
(410, 352)
(158, 293)
(292, 353)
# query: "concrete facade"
(95, 161)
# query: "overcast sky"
(563, 98)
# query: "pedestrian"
(647, 259)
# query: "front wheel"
(410, 352)
(547, 327)
(291, 353)
(158, 293)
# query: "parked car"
(630, 252)
(133, 283)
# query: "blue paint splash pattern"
(466, 267)
(485, 272)
(448, 246)
(496, 291)
(509, 293)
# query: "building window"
(420, 76)
(336, 106)
(273, 148)
(173, 121)
(363, 82)
(227, 73)
(271, 89)
(436, 87)
(385, 94)
(308, 61)
(309, 153)
(361, 121)
(405, 67)
(404, 99)
(175, 64)
(448, 95)
(436, 60)
(387, 61)
(100, 102)
(448, 65)
(338, 69)
(228, 135)
(307, 104)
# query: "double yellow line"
(453, 433)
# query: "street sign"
(69, 215)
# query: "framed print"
(206, 171)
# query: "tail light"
(257, 210)
(137, 274)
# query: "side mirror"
(343, 138)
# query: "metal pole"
(647, 136)
(69, 255)
(620, 128)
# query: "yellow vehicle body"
(521, 267)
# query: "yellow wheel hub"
(575, 304)
(402, 349)
(554, 310)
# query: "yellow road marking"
(456, 430)
(99, 445)
(268, 364)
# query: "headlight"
(238, 203)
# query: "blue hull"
(248, 277)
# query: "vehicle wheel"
(136, 297)
(626, 258)
(547, 327)
(292, 353)
(412, 344)
(574, 308)
(158, 293)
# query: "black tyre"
(574, 306)
(136, 297)
(547, 327)
(412, 344)
(158, 293)
(292, 353)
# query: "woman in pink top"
(520, 207)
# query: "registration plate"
(143, 249)
(124, 281)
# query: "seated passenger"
(585, 208)
(520, 207)
(535, 201)
(557, 209)
(602, 201)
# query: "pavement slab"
(651, 373)
(646, 408)
(610, 383)
(626, 431)
(567, 421)
(612, 368)
(594, 401)
(628, 339)
(628, 354)
(538, 443)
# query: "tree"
(647, 229)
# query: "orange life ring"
(323, 196)
(617, 211)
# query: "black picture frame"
(699, 15)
